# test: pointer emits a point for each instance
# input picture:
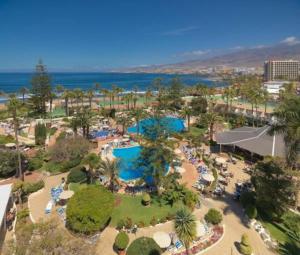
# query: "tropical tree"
(23, 91)
(41, 88)
(186, 113)
(105, 94)
(110, 168)
(288, 123)
(66, 95)
(148, 96)
(13, 107)
(92, 161)
(210, 119)
(124, 120)
(78, 95)
(90, 95)
(138, 114)
(185, 227)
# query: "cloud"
(237, 48)
(180, 31)
(260, 46)
(291, 40)
(194, 53)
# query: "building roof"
(256, 140)
(5, 191)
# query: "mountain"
(251, 57)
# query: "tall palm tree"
(13, 107)
(23, 91)
(211, 118)
(110, 168)
(78, 94)
(66, 95)
(92, 161)
(105, 93)
(90, 95)
(124, 121)
(59, 89)
(287, 123)
(138, 114)
(148, 96)
(185, 227)
(187, 112)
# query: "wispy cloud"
(194, 53)
(237, 48)
(180, 31)
(291, 40)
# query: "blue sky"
(94, 35)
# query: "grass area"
(141, 100)
(58, 112)
(77, 186)
(6, 139)
(195, 131)
(131, 206)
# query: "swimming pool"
(128, 157)
(171, 125)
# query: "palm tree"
(105, 93)
(13, 106)
(66, 95)
(90, 94)
(265, 99)
(124, 121)
(187, 112)
(78, 95)
(138, 114)
(110, 168)
(287, 123)
(59, 89)
(211, 118)
(23, 91)
(185, 227)
(148, 96)
(92, 162)
(118, 91)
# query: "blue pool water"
(171, 125)
(128, 156)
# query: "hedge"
(213, 216)
(89, 210)
(121, 241)
(143, 246)
(77, 175)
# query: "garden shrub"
(121, 241)
(6, 139)
(35, 164)
(71, 163)
(128, 223)
(245, 247)
(251, 211)
(153, 221)
(141, 224)
(8, 163)
(213, 216)
(121, 224)
(190, 199)
(77, 175)
(40, 133)
(29, 188)
(90, 209)
(146, 199)
(23, 214)
(144, 246)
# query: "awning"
(162, 239)
(255, 140)
(66, 194)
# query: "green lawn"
(195, 131)
(6, 139)
(131, 206)
(77, 186)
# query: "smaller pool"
(171, 124)
(102, 133)
(128, 158)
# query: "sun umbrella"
(208, 177)
(162, 239)
(177, 151)
(200, 229)
(220, 160)
(66, 194)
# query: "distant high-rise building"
(282, 70)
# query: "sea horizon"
(11, 82)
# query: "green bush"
(128, 223)
(77, 175)
(121, 224)
(23, 214)
(90, 209)
(8, 163)
(35, 164)
(71, 163)
(141, 224)
(29, 188)
(251, 211)
(245, 247)
(247, 198)
(213, 216)
(143, 246)
(146, 199)
(190, 199)
(6, 139)
(40, 133)
(121, 241)
(153, 221)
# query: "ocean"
(12, 82)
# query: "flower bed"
(217, 234)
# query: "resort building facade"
(281, 70)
